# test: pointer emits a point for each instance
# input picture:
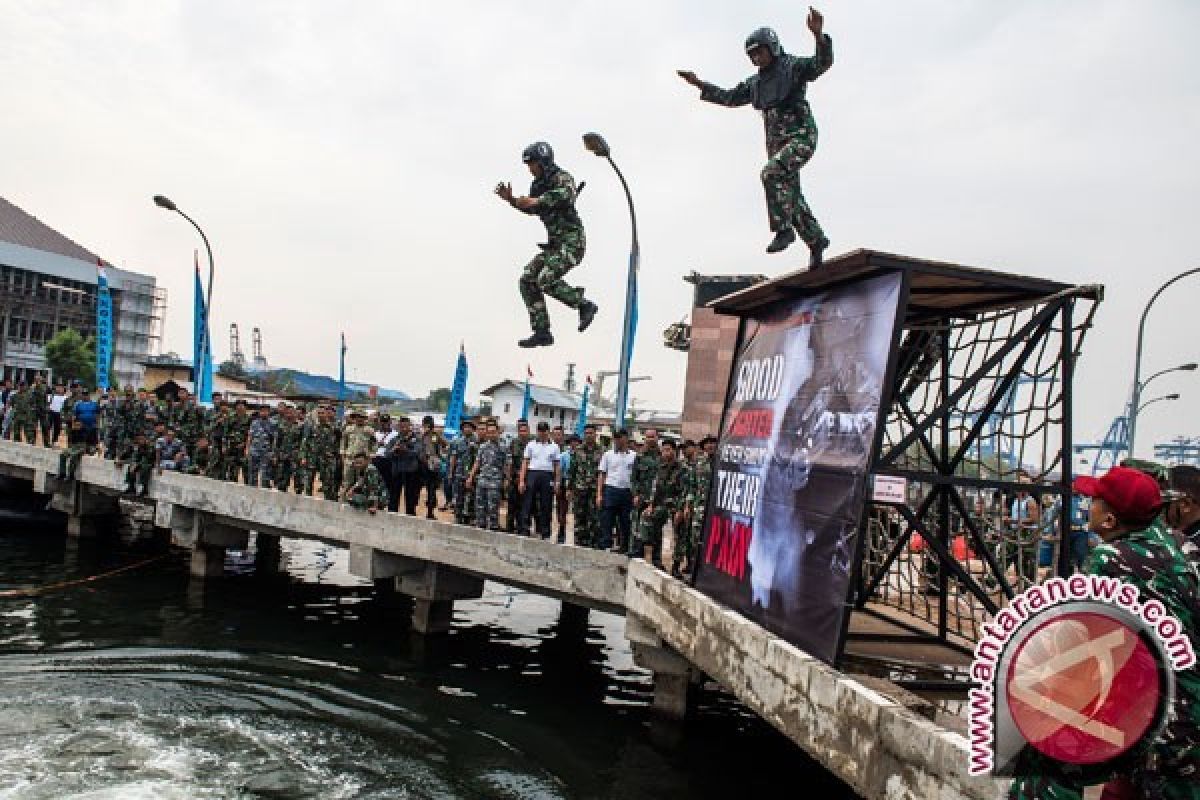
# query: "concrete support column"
(433, 587)
(208, 561)
(267, 554)
(672, 672)
(432, 616)
(88, 513)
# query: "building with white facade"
(48, 283)
(546, 404)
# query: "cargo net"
(976, 427)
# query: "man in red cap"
(1138, 548)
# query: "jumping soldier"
(778, 91)
(552, 198)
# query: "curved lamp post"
(1137, 364)
(197, 369)
(1172, 396)
(596, 144)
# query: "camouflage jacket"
(492, 458)
(585, 464)
(289, 436)
(516, 454)
(357, 439)
(235, 434)
(790, 117)
(461, 454)
(369, 491)
(138, 454)
(668, 490)
(556, 208)
(320, 444)
(37, 394)
(699, 482)
(21, 402)
(641, 481)
(262, 436)
(433, 447)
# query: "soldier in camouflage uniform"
(356, 437)
(665, 502)
(319, 455)
(24, 421)
(516, 453)
(262, 449)
(487, 477)
(368, 491)
(201, 457)
(138, 453)
(235, 437)
(778, 91)
(110, 422)
(552, 198)
(216, 421)
(581, 480)
(289, 435)
(699, 484)
(1139, 549)
(641, 480)
(463, 451)
(41, 409)
(188, 421)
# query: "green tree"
(72, 357)
(232, 369)
(439, 400)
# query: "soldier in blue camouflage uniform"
(319, 455)
(1139, 549)
(368, 491)
(462, 458)
(665, 502)
(552, 198)
(487, 478)
(581, 480)
(262, 449)
(778, 91)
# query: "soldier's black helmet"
(764, 37)
(538, 152)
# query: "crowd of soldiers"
(372, 464)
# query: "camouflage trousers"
(464, 501)
(24, 428)
(786, 206)
(259, 471)
(68, 462)
(587, 522)
(285, 472)
(487, 507)
(233, 466)
(649, 532)
(327, 470)
(544, 276)
(687, 536)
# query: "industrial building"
(48, 283)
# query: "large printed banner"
(789, 484)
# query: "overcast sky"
(341, 157)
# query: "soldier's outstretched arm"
(737, 96)
(809, 69)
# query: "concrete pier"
(873, 742)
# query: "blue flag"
(583, 409)
(342, 380)
(103, 326)
(202, 370)
(629, 335)
(525, 403)
(458, 396)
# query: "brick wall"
(714, 337)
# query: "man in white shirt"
(58, 401)
(539, 481)
(613, 493)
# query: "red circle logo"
(1083, 688)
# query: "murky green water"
(151, 685)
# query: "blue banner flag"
(458, 396)
(202, 372)
(583, 408)
(341, 412)
(103, 326)
(526, 401)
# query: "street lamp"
(596, 144)
(1137, 363)
(1181, 368)
(1172, 396)
(197, 369)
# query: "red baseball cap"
(1132, 494)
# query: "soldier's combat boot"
(817, 254)
(587, 313)
(781, 241)
(538, 339)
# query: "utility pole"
(569, 383)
